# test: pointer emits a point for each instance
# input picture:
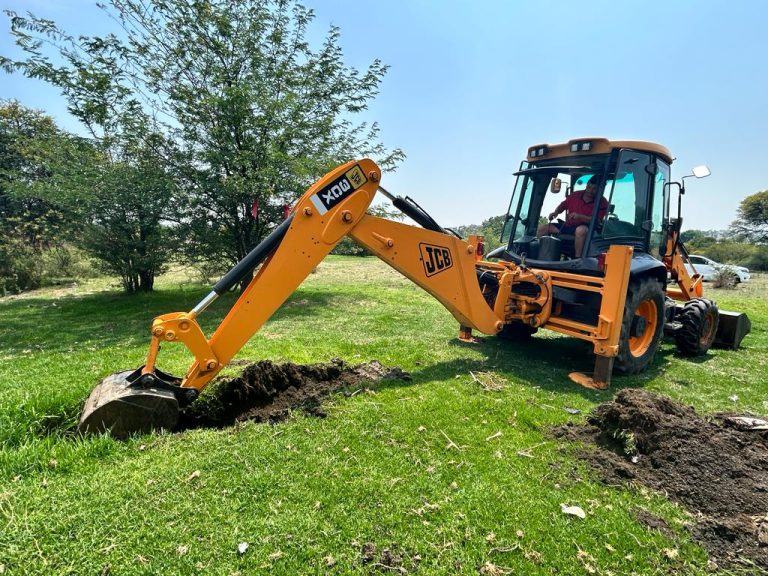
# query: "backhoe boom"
(332, 208)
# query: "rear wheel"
(642, 326)
(699, 319)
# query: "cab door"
(630, 202)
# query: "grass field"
(449, 476)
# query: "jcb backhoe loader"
(615, 294)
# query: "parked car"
(708, 268)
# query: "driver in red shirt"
(578, 213)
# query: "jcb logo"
(336, 191)
(435, 258)
(339, 189)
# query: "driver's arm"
(558, 210)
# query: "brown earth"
(390, 559)
(712, 468)
(269, 392)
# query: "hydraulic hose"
(253, 258)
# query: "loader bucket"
(121, 408)
(732, 329)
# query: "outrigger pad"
(120, 408)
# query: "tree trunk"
(146, 280)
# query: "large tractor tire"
(698, 318)
(516, 332)
(642, 326)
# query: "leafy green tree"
(112, 199)
(752, 218)
(692, 236)
(39, 167)
(127, 227)
(257, 112)
(490, 228)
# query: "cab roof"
(595, 145)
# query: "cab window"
(660, 189)
(521, 200)
(628, 198)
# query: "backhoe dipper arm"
(687, 286)
(333, 207)
(440, 263)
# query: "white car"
(708, 268)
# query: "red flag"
(286, 211)
(255, 209)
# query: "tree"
(39, 168)
(110, 199)
(257, 113)
(126, 227)
(490, 228)
(752, 218)
(696, 237)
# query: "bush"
(724, 278)
(20, 267)
(759, 259)
(67, 262)
(753, 256)
(348, 247)
(23, 268)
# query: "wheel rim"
(638, 345)
(708, 329)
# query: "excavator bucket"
(731, 329)
(122, 405)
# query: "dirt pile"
(711, 467)
(268, 392)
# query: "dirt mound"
(710, 467)
(268, 392)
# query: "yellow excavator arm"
(334, 207)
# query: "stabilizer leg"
(601, 377)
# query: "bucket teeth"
(120, 408)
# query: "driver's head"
(592, 186)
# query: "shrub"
(348, 247)
(724, 278)
(66, 262)
(20, 267)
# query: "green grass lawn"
(451, 477)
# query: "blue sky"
(473, 84)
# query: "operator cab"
(631, 177)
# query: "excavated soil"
(269, 392)
(712, 468)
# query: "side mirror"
(555, 186)
(652, 168)
(701, 171)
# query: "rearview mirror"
(555, 186)
(701, 171)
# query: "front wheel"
(641, 327)
(698, 327)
